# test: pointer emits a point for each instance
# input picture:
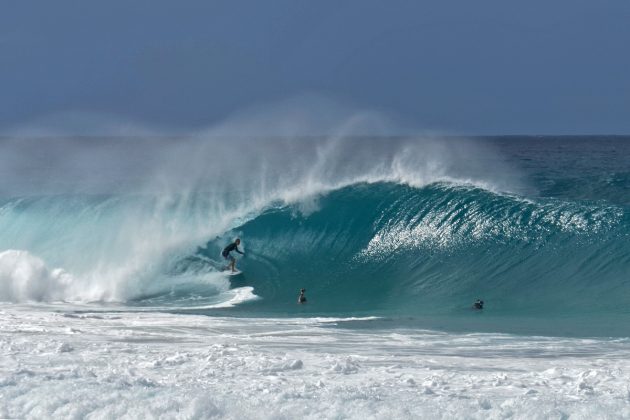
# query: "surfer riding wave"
(226, 254)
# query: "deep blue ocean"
(411, 231)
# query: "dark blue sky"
(474, 67)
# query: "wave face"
(536, 227)
(411, 251)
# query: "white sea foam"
(226, 299)
(24, 277)
(140, 365)
(27, 278)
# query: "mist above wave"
(281, 150)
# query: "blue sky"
(461, 66)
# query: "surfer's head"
(302, 291)
(237, 241)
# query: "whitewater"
(114, 304)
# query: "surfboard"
(232, 273)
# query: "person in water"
(301, 297)
(226, 254)
(478, 304)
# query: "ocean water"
(114, 303)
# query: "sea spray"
(24, 277)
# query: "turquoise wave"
(402, 230)
(396, 250)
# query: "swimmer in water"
(301, 297)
